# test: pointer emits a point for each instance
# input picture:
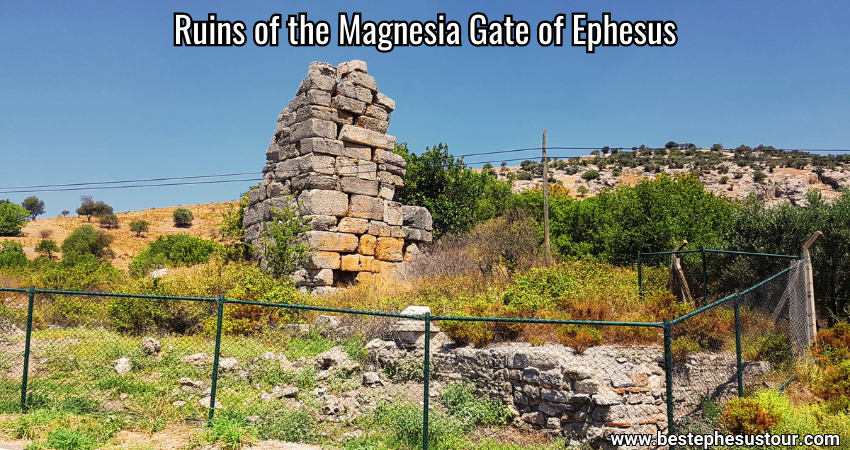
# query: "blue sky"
(95, 91)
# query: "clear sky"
(96, 91)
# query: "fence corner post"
(668, 373)
(25, 375)
(427, 376)
(214, 386)
(738, 351)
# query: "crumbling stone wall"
(331, 150)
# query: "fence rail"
(682, 392)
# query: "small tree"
(283, 251)
(605, 150)
(109, 221)
(34, 206)
(12, 218)
(582, 191)
(47, 247)
(759, 176)
(717, 147)
(183, 218)
(139, 227)
(65, 213)
(88, 207)
(590, 175)
(86, 240)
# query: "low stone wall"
(588, 397)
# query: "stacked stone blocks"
(330, 149)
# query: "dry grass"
(125, 243)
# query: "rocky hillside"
(774, 176)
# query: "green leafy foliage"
(282, 249)
(12, 218)
(456, 196)
(183, 217)
(590, 175)
(108, 220)
(139, 227)
(12, 254)
(85, 240)
(233, 233)
(173, 250)
(89, 208)
(34, 206)
(47, 247)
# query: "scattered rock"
(150, 346)
(123, 365)
(205, 402)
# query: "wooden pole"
(546, 201)
(811, 324)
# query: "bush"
(12, 218)
(831, 351)
(86, 240)
(12, 254)
(284, 253)
(747, 416)
(580, 338)
(183, 218)
(109, 221)
(590, 175)
(88, 207)
(47, 247)
(233, 233)
(759, 176)
(173, 250)
(139, 227)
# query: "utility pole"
(546, 201)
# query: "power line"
(132, 181)
(130, 186)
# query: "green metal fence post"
(427, 374)
(704, 279)
(216, 357)
(739, 365)
(668, 374)
(640, 279)
(25, 377)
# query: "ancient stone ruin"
(330, 149)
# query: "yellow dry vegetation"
(125, 244)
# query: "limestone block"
(389, 249)
(370, 123)
(256, 213)
(281, 130)
(317, 81)
(377, 112)
(348, 104)
(358, 151)
(415, 234)
(370, 264)
(367, 245)
(417, 217)
(253, 232)
(350, 66)
(324, 260)
(313, 277)
(313, 180)
(313, 128)
(256, 196)
(353, 225)
(307, 163)
(385, 102)
(386, 191)
(361, 79)
(324, 69)
(333, 242)
(354, 185)
(392, 168)
(387, 157)
(364, 278)
(389, 178)
(366, 207)
(392, 213)
(359, 168)
(323, 202)
(411, 253)
(350, 263)
(357, 135)
(319, 112)
(349, 89)
(378, 228)
(278, 189)
(314, 97)
(321, 223)
(288, 117)
(397, 232)
(320, 145)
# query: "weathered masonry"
(331, 150)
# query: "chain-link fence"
(334, 375)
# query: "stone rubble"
(330, 149)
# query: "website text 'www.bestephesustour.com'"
(730, 440)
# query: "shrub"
(34, 206)
(109, 221)
(12, 218)
(774, 348)
(747, 416)
(233, 233)
(12, 254)
(759, 176)
(65, 213)
(682, 347)
(173, 250)
(831, 351)
(282, 250)
(86, 240)
(47, 247)
(139, 227)
(590, 175)
(88, 207)
(580, 338)
(183, 218)
(462, 403)
(524, 176)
